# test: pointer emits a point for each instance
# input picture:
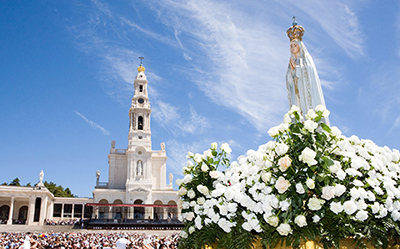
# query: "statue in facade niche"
(139, 168)
(302, 81)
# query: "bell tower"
(139, 113)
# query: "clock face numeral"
(141, 101)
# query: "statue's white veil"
(311, 86)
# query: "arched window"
(138, 212)
(140, 123)
(158, 212)
(23, 213)
(140, 88)
(4, 211)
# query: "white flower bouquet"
(309, 183)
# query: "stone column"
(43, 210)
(62, 211)
(10, 215)
(31, 210)
(83, 211)
(73, 210)
(165, 213)
(110, 213)
(50, 212)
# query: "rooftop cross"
(141, 59)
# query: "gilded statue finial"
(295, 32)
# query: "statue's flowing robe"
(303, 84)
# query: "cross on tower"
(141, 59)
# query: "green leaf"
(325, 127)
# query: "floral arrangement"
(309, 183)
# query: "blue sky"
(216, 72)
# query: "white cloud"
(338, 21)
(168, 116)
(93, 124)
(237, 66)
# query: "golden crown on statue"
(295, 32)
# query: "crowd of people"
(115, 240)
(61, 222)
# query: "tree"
(15, 182)
(58, 191)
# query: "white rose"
(287, 119)
(336, 207)
(315, 204)
(281, 149)
(284, 205)
(214, 146)
(283, 127)
(300, 188)
(185, 205)
(328, 192)
(178, 182)
(192, 229)
(215, 174)
(187, 179)
(204, 168)
(395, 215)
(308, 156)
(202, 189)
(207, 153)
(182, 191)
(273, 132)
(282, 185)
(339, 189)
(273, 220)
(225, 147)
(198, 158)
(190, 155)
(271, 145)
(189, 216)
(362, 215)
(335, 131)
(284, 229)
(293, 109)
(266, 176)
(310, 183)
(349, 207)
(316, 218)
(321, 108)
(335, 167)
(310, 125)
(284, 163)
(191, 194)
(300, 220)
(311, 114)
(201, 200)
(341, 175)
(183, 234)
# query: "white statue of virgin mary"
(302, 81)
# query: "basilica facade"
(137, 187)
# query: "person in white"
(122, 243)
